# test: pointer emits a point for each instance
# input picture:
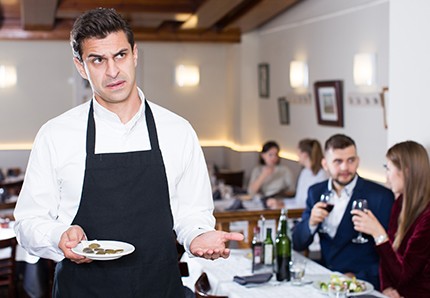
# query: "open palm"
(211, 245)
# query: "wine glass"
(327, 198)
(360, 204)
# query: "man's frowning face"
(110, 66)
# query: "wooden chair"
(202, 287)
(7, 266)
(183, 266)
(231, 178)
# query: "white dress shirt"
(332, 221)
(52, 187)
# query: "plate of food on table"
(356, 287)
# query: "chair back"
(7, 266)
(231, 178)
(202, 287)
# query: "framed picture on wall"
(263, 80)
(284, 111)
(329, 102)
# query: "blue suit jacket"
(340, 253)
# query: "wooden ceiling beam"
(210, 12)
(150, 6)
(260, 14)
(38, 14)
(62, 32)
(151, 20)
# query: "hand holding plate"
(70, 239)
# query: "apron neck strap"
(152, 129)
(91, 131)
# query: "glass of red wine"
(360, 204)
(327, 198)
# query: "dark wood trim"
(218, 21)
(224, 218)
(62, 32)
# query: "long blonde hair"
(412, 160)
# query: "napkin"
(255, 279)
(237, 205)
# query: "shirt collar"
(103, 113)
(347, 189)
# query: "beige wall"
(226, 106)
(327, 34)
(43, 91)
(409, 99)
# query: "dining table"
(6, 232)
(221, 272)
(31, 268)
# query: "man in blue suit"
(338, 251)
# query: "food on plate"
(352, 284)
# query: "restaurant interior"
(240, 71)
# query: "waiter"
(116, 168)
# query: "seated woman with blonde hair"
(404, 249)
(310, 155)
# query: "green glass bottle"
(283, 250)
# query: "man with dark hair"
(335, 228)
(116, 168)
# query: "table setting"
(233, 277)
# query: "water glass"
(337, 291)
(297, 271)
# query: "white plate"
(106, 244)
(369, 287)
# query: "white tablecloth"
(20, 254)
(221, 272)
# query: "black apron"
(125, 197)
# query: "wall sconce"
(364, 69)
(8, 76)
(187, 75)
(299, 74)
